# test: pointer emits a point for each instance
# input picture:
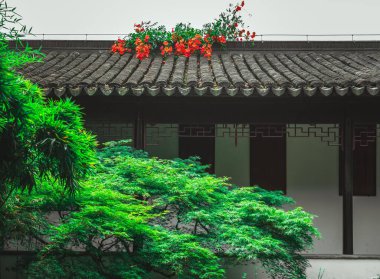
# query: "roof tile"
(166, 70)
(153, 71)
(236, 73)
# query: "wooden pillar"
(348, 146)
(139, 131)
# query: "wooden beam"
(139, 131)
(348, 145)
(209, 110)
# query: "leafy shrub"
(140, 215)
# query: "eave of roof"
(269, 69)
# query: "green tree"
(39, 139)
(140, 215)
(135, 215)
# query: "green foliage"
(38, 138)
(157, 34)
(139, 215)
(10, 22)
(229, 24)
(186, 31)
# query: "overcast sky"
(268, 16)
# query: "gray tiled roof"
(265, 72)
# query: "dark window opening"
(268, 159)
(198, 141)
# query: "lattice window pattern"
(364, 134)
(110, 131)
(329, 133)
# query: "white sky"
(269, 16)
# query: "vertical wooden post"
(139, 130)
(348, 145)
(139, 143)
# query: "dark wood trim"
(348, 188)
(364, 163)
(139, 131)
(208, 110)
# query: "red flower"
(187, 52)
(187, 48)
(115, 48)
(206, 50)
(236, 24)
(138, 41)
(146, 38)
(242, 4)
(119, 46)
(179, 48)
(222, 39)
(253, 35)
(120, 41)
(165, 49)
(238, 8)
(142, 49)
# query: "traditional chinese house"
(300, 117)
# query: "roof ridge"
(232, 46)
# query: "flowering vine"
(185, 40)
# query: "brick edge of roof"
(231, 46)
(153, 91)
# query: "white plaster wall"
(344, 269)
(313, 181)
(232, 160)
(319, 269)
(367, 218)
